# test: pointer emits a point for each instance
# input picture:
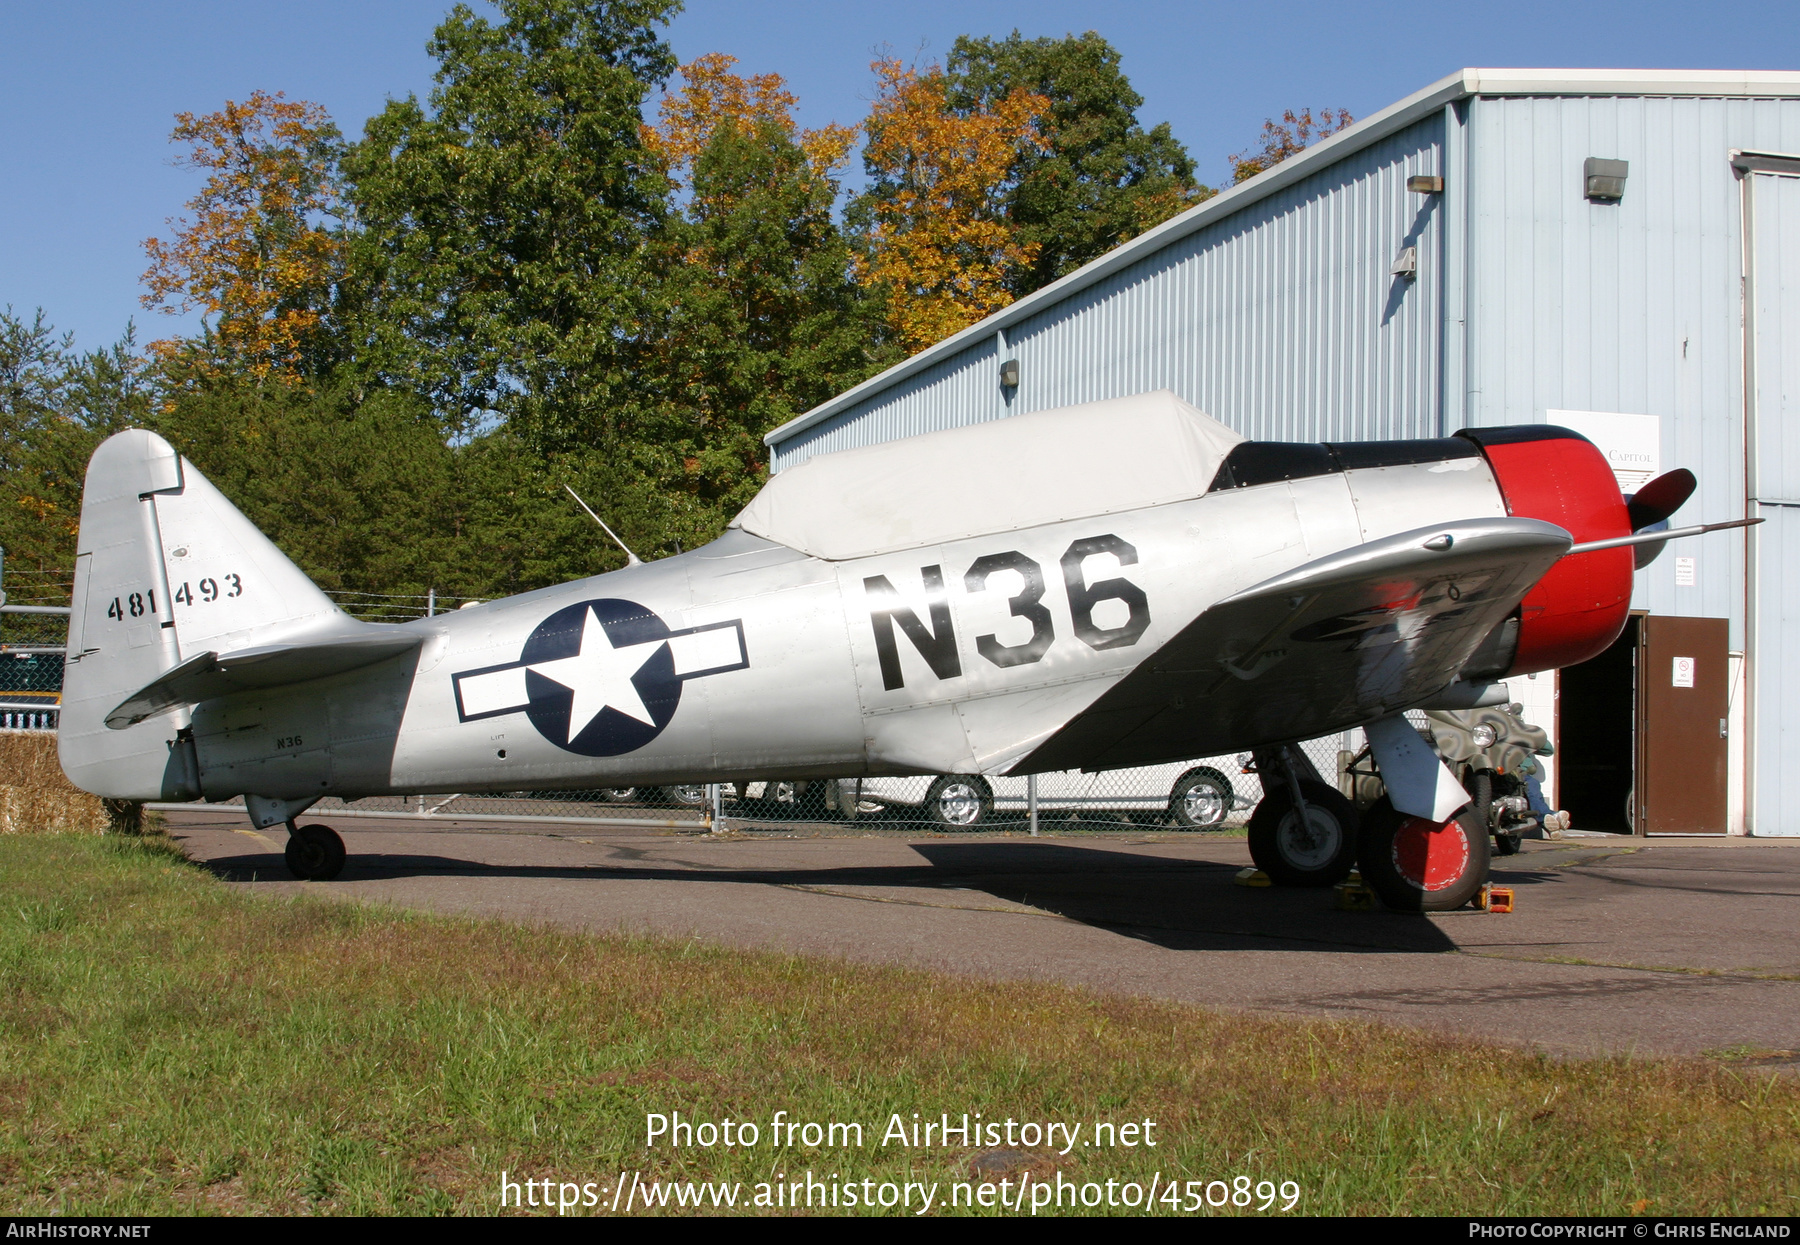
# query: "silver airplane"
(1103, 586)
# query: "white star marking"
(600, 676)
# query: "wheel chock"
(1493, 899)
(1353, 895)
(1252, 877)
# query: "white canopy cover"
(1022, 471)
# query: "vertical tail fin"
(165, 568)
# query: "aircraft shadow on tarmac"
(1183, 905)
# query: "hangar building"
(1617, 251)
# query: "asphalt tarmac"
(1671, 946)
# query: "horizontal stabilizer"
(1331, 644)
(206, 675)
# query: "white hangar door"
(1772, 225)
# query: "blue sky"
(89, 88)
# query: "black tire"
(687, 795)
(1317, 852)
(1481, 795)
(1481, 789)
(618, 795)
(959, 801)
(315, 853)
(1418, 866)
(1201, 799)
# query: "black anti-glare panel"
(1357, 455)
(1266, 462)
(1513, 434)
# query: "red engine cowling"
(1579, 608)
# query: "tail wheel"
(958, 801)
(314, 853)
(1417, 865)
(1316, 849)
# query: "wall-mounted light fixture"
(1604, 180)
(1009, 374)
(1406, 263)
(1425, 184)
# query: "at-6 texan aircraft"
(1117, 584)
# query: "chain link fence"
(31, 667)
(1204, 794)
(1207, 794)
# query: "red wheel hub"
(1429, 854)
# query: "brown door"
(1682, 697)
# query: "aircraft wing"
(206, 675)
(1352, 636)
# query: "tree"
(764, 319)
(55, 407)
(1103, 179)
(712, 99)
(356, 486)
(257, 258)
(938, 242)
(503, 259)
(1293, 135)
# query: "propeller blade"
(1660, 498)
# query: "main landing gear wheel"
(1315, 850)
(958, 801)
(314, 853)
(1416, 865)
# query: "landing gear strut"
(1303, 832)
(315, 853)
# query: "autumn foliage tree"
(762, 319)
(712, 98)
(1293, 134)
(56, 405)
(257, 256)
(1104, 178)
(413, 341)
(939, 244)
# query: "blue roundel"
(600, 677)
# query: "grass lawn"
(168, 1045)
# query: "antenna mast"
(631, 559)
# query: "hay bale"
(35, 798)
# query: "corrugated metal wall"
(1775, 369)
(963, 389)
(1630, 307)
(1282, 320)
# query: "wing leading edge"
(1333, 643)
